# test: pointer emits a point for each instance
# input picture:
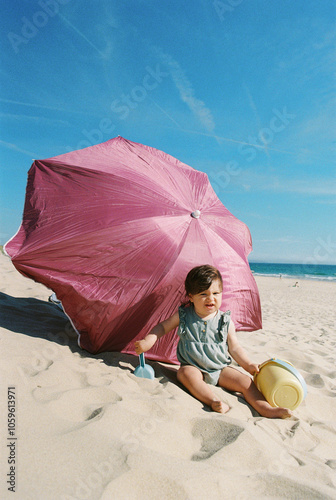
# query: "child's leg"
(236, 381)
(192, 378)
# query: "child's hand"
(142, 346)
(138, 345)
(253, 368)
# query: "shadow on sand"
(40, 319)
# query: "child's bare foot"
(220, 407)
(279, 412)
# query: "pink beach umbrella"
(113, 230)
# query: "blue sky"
(243, 90)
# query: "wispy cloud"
(36, 119)
(28, 104)
(274, 183)
(221, 138)
(81, 35)
(14, 147)
(186, 90)
(326, 202)
(318, 129)
(165, 113)
(254, 108)
(40, 106)
(282, 239)
(309, 187)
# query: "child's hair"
(200, 278)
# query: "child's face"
(209, 301)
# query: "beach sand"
(87, 428)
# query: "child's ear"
(190, 297)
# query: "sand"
(87, 428)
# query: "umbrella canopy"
(113, 230)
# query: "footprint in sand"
(292, 429)
(214, 435)
(83, 405)
(56, 379)
(331, 464)
(315, 380)
(282, 487)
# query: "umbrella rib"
(230, 244)
(164, 192)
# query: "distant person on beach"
(207, 344)
(296, 284)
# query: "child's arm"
(238, 353)
(157, 332)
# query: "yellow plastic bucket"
(280, 383)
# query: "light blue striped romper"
(204, 343)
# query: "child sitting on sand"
(207, 344)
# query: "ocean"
(295, 271)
